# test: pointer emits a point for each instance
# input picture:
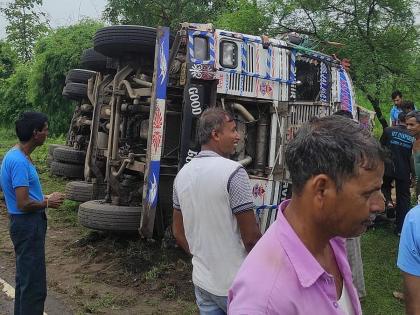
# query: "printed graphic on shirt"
(401, 139)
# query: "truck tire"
(69, 155)
(98, 191)
(67, 170)
(98, 215)
(93, 60)
(52, 147)
(49, 160)
(79, 191)
(119, 40)
(75, 91)
(79, 76)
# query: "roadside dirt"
(100, 273)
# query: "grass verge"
(382, 277)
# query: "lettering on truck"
(190, 155)
(195, 101)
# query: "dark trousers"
(402, 190)
(387, 187)
(27, 232)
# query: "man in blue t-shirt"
(26, 206)
(409, 260)
(397, 108)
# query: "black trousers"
(402, 189)
(27, 232)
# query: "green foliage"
(25, 25)
(248, 17)
(378, 36)
(56, 54)
(166, 13)
(13, 95)
(8, 60)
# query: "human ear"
(322, 185)
(215, 134)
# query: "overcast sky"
(64, 12)
(67, 12)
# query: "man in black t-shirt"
(400, 143)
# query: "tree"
(25, 25)
(54, 55)
(8, 60)
(13, 95)
(247, 17)
(379, 37)
(166, 13)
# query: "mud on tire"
(83, 191)
(79, 191)
(69, 155)
(67, 170)
(98, 215)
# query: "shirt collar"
(207, 153)
(307, 268)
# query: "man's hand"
(178, 230)
(55, 199)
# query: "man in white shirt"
(213, 216)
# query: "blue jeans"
(27, 232)
(210, 304)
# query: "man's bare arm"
(24, 203)
(250, 232)
(412, 294)
(28, 205)
(178, 230)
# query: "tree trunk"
(375, 103)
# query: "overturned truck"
(145, 115)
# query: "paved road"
(52, 305)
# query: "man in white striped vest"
(213, 217)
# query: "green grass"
(100, 304)
(382, 277)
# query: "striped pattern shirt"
(239, 188)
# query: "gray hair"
(213, 118)
(333, 145)
(415, 114)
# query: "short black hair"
(344, 113)
(335, 146)
(395, 94)
(402, 116)
(27, 123)
(408, 106)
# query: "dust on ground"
(101, 273)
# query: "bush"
(13, 95)
(55, 55)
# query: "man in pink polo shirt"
(299, 266)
